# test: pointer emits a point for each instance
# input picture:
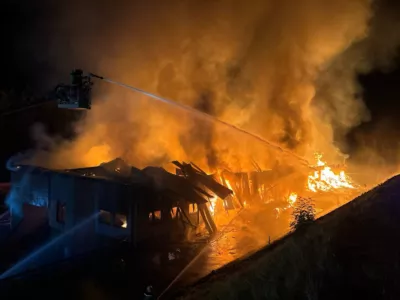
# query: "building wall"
(75, 207)
(61, 202)
(95, 212)
(113, 203)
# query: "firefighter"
(149, 294)
(77, 94)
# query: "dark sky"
(19, 19)
(29, 28)
(381, 95)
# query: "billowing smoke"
(338, 102)
(285, 70)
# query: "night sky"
(25, 31)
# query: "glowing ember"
(292, 198)
(325, 179)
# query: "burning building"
(96, 207)
(86, 209)
(278, 188)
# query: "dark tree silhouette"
(303, 213)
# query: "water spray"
(21, 265)
(205, 116)
(221, 234)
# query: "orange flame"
(213, 203)
(292, 199)
(228, 184)
(325, 179)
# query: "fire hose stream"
(218, 237)
(206, 117)
(198, 113)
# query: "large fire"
(324, 179)
(321, 179)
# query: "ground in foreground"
(351, 253)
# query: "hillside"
(351, 253)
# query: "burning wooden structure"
(279, 187)
(119, 202)
(130, 204)
(87, 209)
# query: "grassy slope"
(351, 253)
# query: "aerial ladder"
(76, 95)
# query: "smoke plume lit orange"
(271, 67)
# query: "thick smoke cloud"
(284, 70)
(338, 101)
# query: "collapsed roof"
(194, 186)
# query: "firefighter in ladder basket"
(77, 94)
